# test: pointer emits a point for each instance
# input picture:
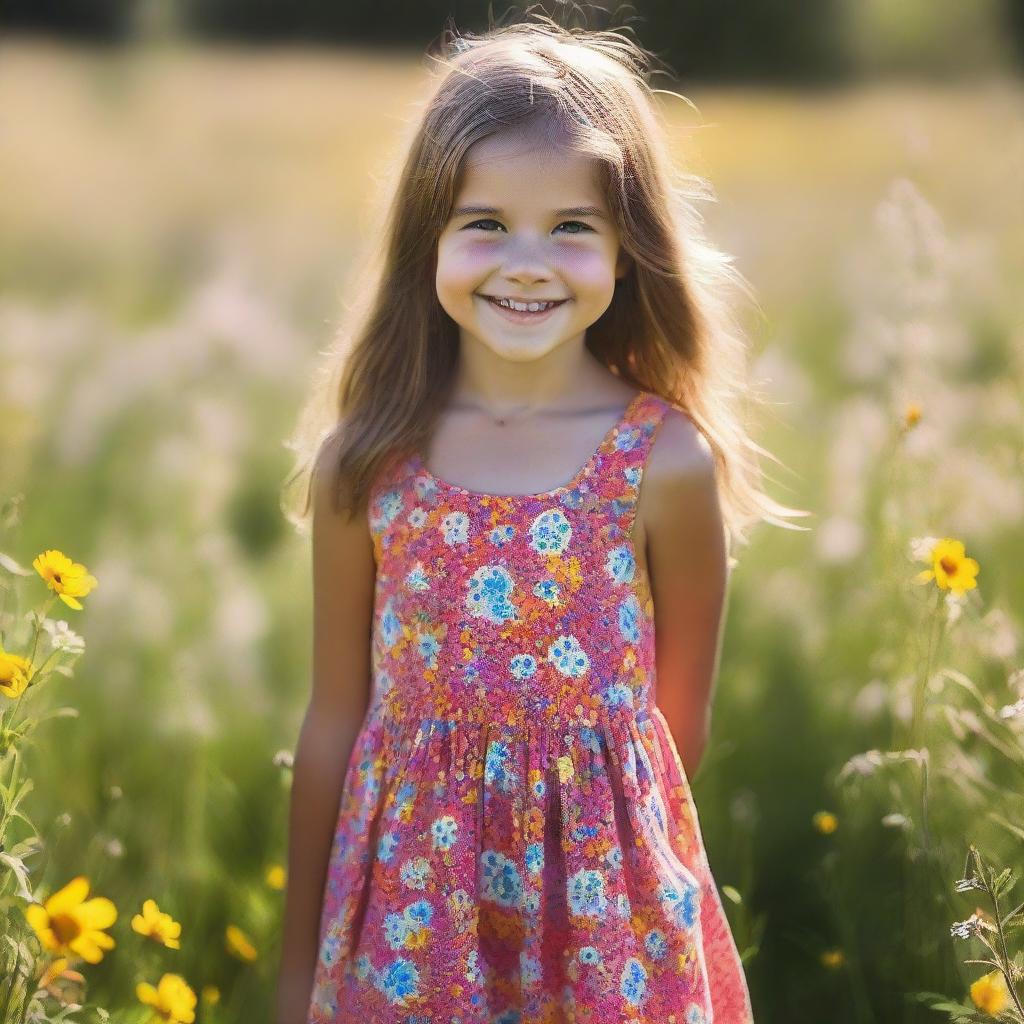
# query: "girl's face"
(529, 223)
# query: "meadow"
(178, 230)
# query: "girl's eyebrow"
(569, 211)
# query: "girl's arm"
(688, 566)
(343, 583)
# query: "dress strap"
(624, 456)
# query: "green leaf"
(21, 873)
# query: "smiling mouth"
(523, 315)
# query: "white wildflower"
(62, 637)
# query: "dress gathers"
(516, 841)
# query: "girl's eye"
(578, 223)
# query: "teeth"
(524, 307)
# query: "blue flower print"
(399, 981)
(333, 947)
(474, 975)
(389, 505)
(416, 578)
(620, 564)
(626, 440)
(550, 532)
(399, 929)
(414, 872)
(390, 627)
(426, 488)
(455, 528)
(629, 613)
(443, 831)
(568, 657)
(622, 904)
(633, 983)
(531, 901)
(529, 970)
(590, 739)
(586, 893)
(695, 1015)
(501, 535)
(619, 695)
(420, 912)
(386, 846)
(364, 969)
(489, 590)
(548, 590)
(632, 475)
(502, 883)
(496, 768)
(522, 666)
(589, 955)
(682, 902)
(534, 858)
(656, 944)
(428, 647)
(417, 518)
(614, 858)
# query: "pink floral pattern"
(517, 842)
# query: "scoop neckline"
(584, 470)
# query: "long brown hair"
(669, 329)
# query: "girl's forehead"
(504, 162)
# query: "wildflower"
(972, 926)
(275, 876)
(238, 943)
(63, 638)
(283, 759)
(211, 995)
(989, 993)
(156, 925)
(895, 820)
(951, 568)
(71, 580)
(965, 884)
(66, 986)
(15, 673)
(69, 923)
(825, 822)
(911, 415)
(1006, 711)
(832, 958)
(172, 999)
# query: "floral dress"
(517, 842)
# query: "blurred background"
(186, 191)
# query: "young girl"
(514, 641)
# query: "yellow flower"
(951, 569)
(832, 958)
(69, 923)
(912, 415)
(211, 995)
(155, 924)
(15, 672)
(565, 769)
(69, 579)
(238, 943)
(825, 822)
(990, 993)
(172, 1000)
(275, 876)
